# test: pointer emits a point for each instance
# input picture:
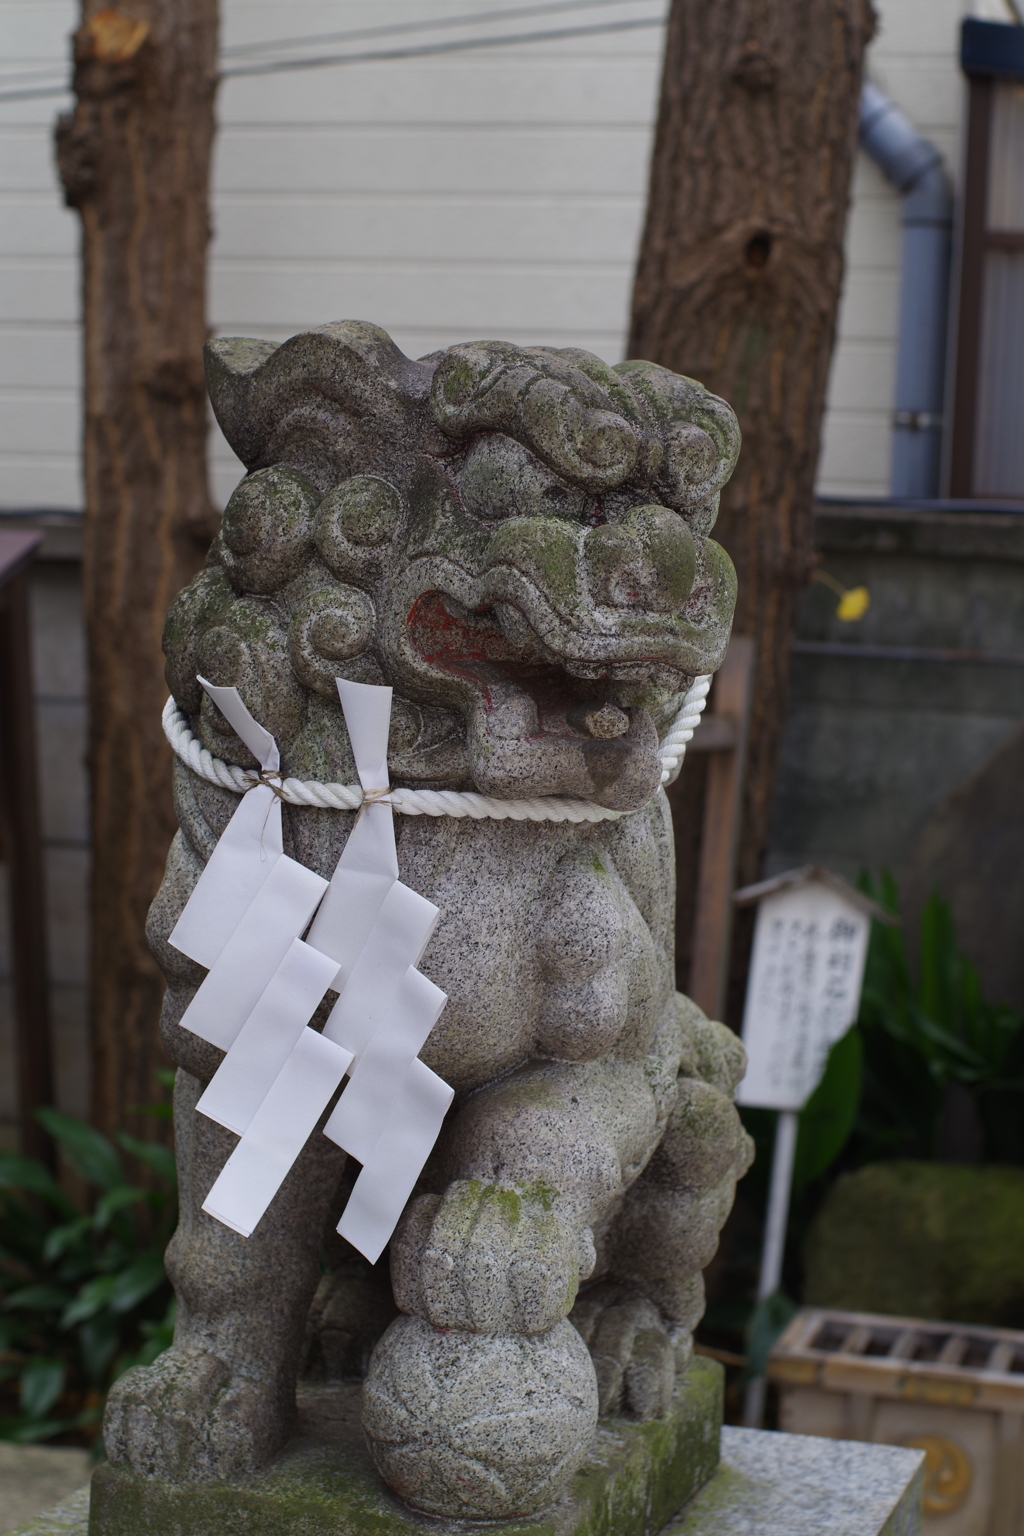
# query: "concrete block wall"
(59, 682)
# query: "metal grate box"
(952, 1390)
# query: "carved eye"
(265, 532)
(501, 478)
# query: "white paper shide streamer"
(245, 922)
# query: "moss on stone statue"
(916, 1239)
(324, 1483)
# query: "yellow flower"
(854, 604)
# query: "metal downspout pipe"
(914, 166)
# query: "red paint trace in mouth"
(473, 647)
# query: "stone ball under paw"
(473, 1426)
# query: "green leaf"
(98, 1340)
(42, 1382)
(37, 1298)
(138, 1281)
(93, 1295)
(116, 1200)
(26, 1174)
(828, 1117)
(60, 1239)
(24, 1431)
(767, 1321)
(88, 1152)
(155, 1156)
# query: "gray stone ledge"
(771, 1484)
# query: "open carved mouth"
(541, 723)
(498, 652)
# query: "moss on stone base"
(324, 1484)
(914, 1239)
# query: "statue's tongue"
(518, 750)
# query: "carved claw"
(488, 1258)
(187, 1418)
(633, 1351)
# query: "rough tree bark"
(134, 159)
(738, 285)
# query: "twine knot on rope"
(381, 796)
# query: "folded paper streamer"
(244, 921)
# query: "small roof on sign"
(815, 874)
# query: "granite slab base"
(324, 1483)
(770, 1484)
(765, 1485)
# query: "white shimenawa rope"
(428, 802)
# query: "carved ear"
(232, 363)
(345, 387)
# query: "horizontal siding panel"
(47, 287)
(487, 90)
(37, 226)
(262, 21)
(431, 229)
(874, 234)
(930, 94)
(40, 356)
(485, 301)
(856, 449)
(863, 376)
(36, 32)
(433, 158)
(869, 305)
(413, 193)
(26, 158)
(38, 421)
(36, 116)
(919, 28)
(50, 480)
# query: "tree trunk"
(738, 285)
(134, 159)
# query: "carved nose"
(646, 562)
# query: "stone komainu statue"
(516, 540)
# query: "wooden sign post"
(803, 993)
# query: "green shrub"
(943, 1067)
(83, 1295)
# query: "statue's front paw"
(633, 1351)
(187, 1419)
(488, 1258)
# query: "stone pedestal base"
(765, 1485)
(324, 1483)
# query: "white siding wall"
(39, 333)
(914, 59)
(488, 193)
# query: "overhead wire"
(383, 55)
(425, 50)
(397, 28)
